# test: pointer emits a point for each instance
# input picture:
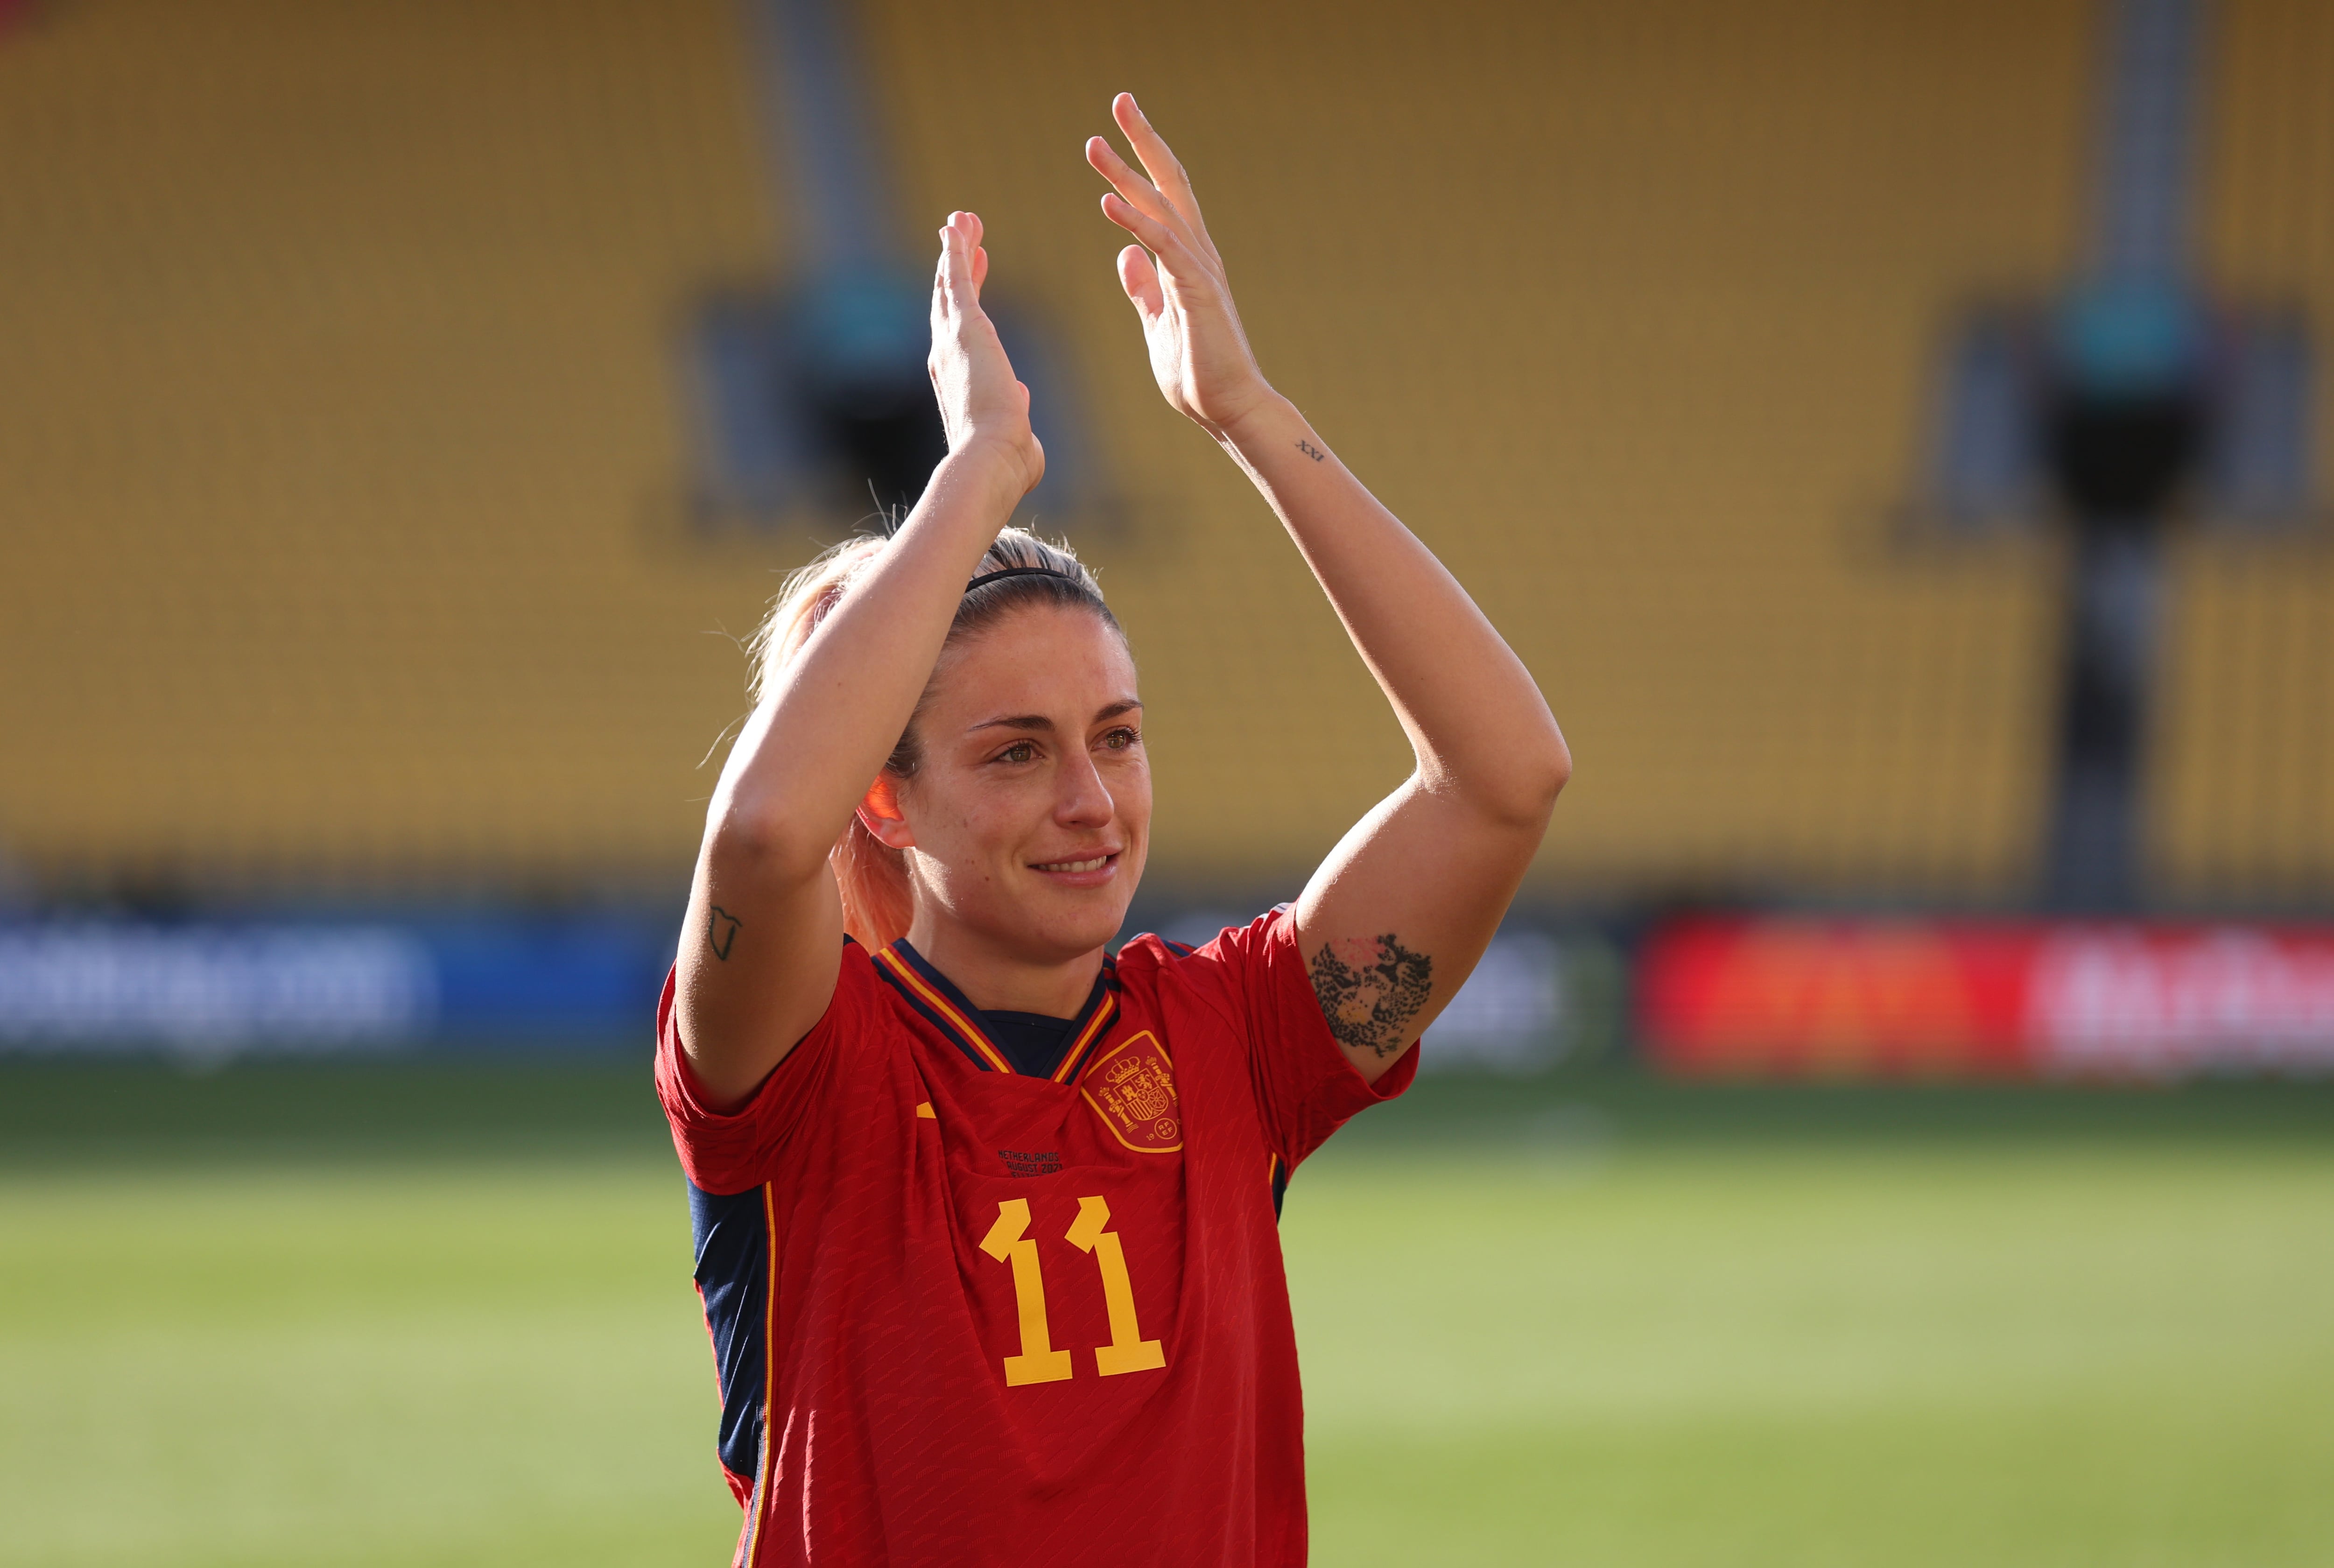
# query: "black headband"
(1018, 571)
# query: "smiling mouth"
(1096, 864)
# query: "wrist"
(989, 465)
(1260, 421)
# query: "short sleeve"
(1305, 1089)
(724, 1152)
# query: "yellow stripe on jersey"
(971, 1032)
(1096, 1027)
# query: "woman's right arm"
(762, 939)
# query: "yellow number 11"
(1008, 1242)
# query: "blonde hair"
(877, 902)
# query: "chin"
(1047, 924)
(1070, 934)
(1067, 928)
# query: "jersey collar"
(935, 995)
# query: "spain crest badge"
(1131, 1088)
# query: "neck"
(996, 980)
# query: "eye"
(1019, 751)
(1121, 738)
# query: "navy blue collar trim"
(981, 1048)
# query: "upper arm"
(760, 949)
(1396, 920)
(1253, 979)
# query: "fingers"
(1159, 161)
(963, 264)
(1140, 279)
(955, 279)
(940, 284)
(1162, 239)
(1132, 188)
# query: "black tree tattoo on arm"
(721, 931)
(1372, 990)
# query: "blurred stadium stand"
(352, 543)
(2243, 770)
(338, 390)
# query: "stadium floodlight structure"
(812, 393)
(2133, 401)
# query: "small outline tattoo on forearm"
(1372, 992)
(721, 932)
(1310, 450)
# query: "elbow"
(762, 845)
(1521, 796)
(1540, 777)
(1559, 764)
(1539, 774)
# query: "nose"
(1081, 800)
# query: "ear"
(881, 815)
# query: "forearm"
(1398, 914)
(1476, 720)
(825, 726)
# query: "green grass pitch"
(428, 1315)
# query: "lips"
(1097, 868)
(1072, 867)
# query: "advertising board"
(1752, 996)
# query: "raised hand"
(982, 406)
(1199, 350)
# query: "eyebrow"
(1039, 724)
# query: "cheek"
(1130, 789)
(973, 818)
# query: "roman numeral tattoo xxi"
(1371, 990)
(720, 931)
(1310, 450)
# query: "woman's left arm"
(1393, 921)
(1396, 918)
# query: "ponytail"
(878, 900)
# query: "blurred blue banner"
(212, 988)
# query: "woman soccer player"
(986, 1218)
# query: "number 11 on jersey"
(1008, 1242)
(1128, 1350)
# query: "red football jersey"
(967, 1316)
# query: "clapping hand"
(983, 407)
(1199, 350)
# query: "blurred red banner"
(1791, 996)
